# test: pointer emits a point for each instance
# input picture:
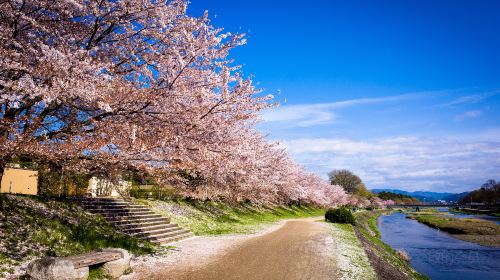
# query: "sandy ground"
(293, 249)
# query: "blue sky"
(404, 93)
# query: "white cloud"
(307, 115)
(470, 99)
(468, 115)
(300, 115)
(453, 163)
(412, 163)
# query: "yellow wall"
(105, 187)
(19, 181)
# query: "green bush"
(156, 192)
(96, 273)
(56, 183)
(342, 215)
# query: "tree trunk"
(2, 169)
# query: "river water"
(437, 254)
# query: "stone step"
(135, 219)
(85, 198)
(172, 239)
(139, 224)
(105, 202)
(158, 232)
(114, 210)
(120, 215)
(129, 219)
(146, 228)
(108, 206)
(160, 236)
(114, 206)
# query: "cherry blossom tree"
(104, 86)
(376, 202)
(389, 203)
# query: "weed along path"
(299, 249)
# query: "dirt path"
(300, 249)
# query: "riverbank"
(386, 262)
(493, 213)
(472, 230)
(436, 253)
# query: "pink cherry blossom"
(108, 86)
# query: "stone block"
(116, 268)
(55, 269)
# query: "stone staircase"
(135, 219)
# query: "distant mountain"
(376, 191)
(455, 197)
(425, 196)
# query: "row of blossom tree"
(103, 86)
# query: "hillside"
(32, 227)
(488, 193)
(455, 197)
(398, 198)
(425, 196)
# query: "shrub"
(156, 192)
(54, 183)
(342, 215)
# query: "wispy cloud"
(412, 145)
(468, 115)
(412, 163)
(301, 115)
(470, 99)
(306, 115)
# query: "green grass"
(367, 221)
(96, 273)
(494, 213)
(458, 226)
(34, 227)
(478, 231)
(367, 226)
(213, 218)
(423, 210)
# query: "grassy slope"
(209, 218)
(353, 262)
(34, 227)
(366, 228)
(476, 212)
(473, 230)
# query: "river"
(437, 254)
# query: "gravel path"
(294, 249)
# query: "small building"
(17, 180)
(99, 187)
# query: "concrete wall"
(105, 187)
(20, 181)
